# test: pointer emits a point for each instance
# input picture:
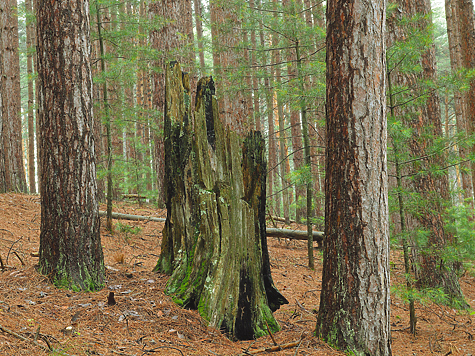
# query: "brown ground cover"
(146, 322)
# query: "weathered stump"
(214, 240)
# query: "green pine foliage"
(439, 158)
(127, 54)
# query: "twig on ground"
(1, 263)
(270, 334)
(11, 247)
(298, 347)
(22, 338)
(18, 256)
(162, 347)
(37, 333)
(302, 307)
(272, 349)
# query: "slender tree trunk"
(105, 101)
(272, 148)
(308, 161)
(354, 306)
(2, 151)
(402, 218)
(31, 119)
(70, 243)
(254, 72)
(282, 132)
(467, 40)
(12, 166)
(199, 34)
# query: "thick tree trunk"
(70, 242)
(354, 305)
(214, 243)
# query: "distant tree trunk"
(434, 273)
(214, 243)
(2, 150)
(467, 39)
(297, 147)
(30, 49)
(107, 120)
(272, 154)
(70, 242)
(169, 42)
(354, 304)
(433, 189)
(14, 178)
(199, 34)
(282, 132)
(453, 36)
(254, 72)
(225, 31)
(37, 116)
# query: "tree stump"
(214, 240)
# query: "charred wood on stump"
(214, 243)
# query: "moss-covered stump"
(214, 243)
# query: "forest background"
(268, 62)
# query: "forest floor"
(145, 321)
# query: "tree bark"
(354, 306)
(214, 243)
(70, 243)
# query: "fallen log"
(270, 232)
(132, 217)
(294, 234)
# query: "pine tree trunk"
(168, 41)
(31, 119)
(199, 34)
(467, 40)
(453, 36)
(354, 306)
(214, 243)
(281, 134)
(2, 151)
(14, 178)
(70, 243)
